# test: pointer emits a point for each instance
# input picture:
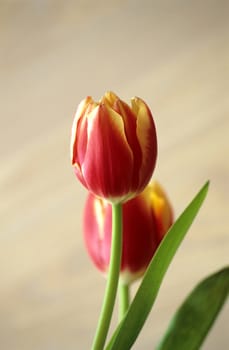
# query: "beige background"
(173, 54)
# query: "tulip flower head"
(146, 219)
(113, 147)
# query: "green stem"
(112, 279)
(124, 299)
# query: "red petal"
(97, 231)
(140, 236)
(79, 116)
(146, 134)
(130, 127)
(108, 163)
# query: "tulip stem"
(124, 299)
(112, 279)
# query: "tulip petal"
(108, 162)
(130, 127)
(97, 231)
(146, 134)
(109, 99)
(80, 113)
(139, 238)
(162, 208)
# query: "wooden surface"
(173, 54)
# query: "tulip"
(113, 147)
(146, 219)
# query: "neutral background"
(173, 54)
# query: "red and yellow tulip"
(146, 219)
(113, 147)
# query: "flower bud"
(113, 147)
(146, 219)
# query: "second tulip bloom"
(146, 219)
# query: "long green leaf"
(196, 315)
(135, 318)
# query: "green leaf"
(196, 315)
(127, 332)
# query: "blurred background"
(173, 54)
